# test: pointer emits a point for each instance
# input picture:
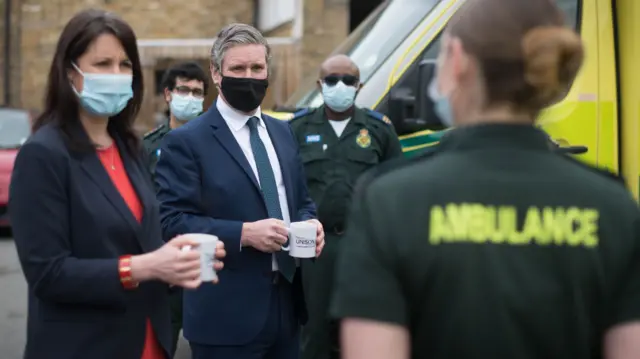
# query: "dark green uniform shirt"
(332, 164)
(494, 246)
(152, 141)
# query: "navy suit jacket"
(206, 185)
(70, 225)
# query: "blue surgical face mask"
(105, 94)
(185, 108)
(340, 97)
(442, 104)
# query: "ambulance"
(598, 120)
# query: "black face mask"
(243, 93)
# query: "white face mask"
(185, 108)
(339, 97)
(441, 103)
(105, 94)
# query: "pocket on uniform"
(314, 162)
(365, 157)
(362, 160)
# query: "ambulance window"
(408, 82)
(571, 10)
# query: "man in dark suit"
(236, 173)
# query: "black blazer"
(70, 225)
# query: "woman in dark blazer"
(84, 216)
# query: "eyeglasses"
(186, 90)
(349, 80)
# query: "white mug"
(302, 240)
(207, 248)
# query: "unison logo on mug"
(302, 240)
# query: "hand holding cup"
(210, 250)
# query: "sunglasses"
(349, 80)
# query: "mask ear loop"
(81, 73)
(77, 69)
(432, 90)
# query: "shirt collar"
(346, 120)
(234, 119)
(505, 136)
(320, 115)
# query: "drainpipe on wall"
(298, 20)
(256, 13)
(7, 52)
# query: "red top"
(112, 162)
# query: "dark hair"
(526, 54)
(62, 105)
(186, 70)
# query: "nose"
(115, 69)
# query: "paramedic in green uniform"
(185, 86)
(338, 142)
(494, 246)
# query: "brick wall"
(326, 24)
(41, 21)
(14, 53)
(2, 32)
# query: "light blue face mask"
(185, 108)
(442, 105)
(105, 94)
(340, 97)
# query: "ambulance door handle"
(562, 146)
(574, 150)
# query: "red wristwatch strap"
(124, 271)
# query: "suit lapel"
(94, 169)
(223, 134)
(135, 177)
(142, 188)
(278, 143)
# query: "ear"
(360, 86)
(319, 83)
(75, 79)
(459, 58)
(216, 76)
(167, 95)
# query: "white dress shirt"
(237, 123)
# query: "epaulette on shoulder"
(302, 113)
(597, 170)
(378, 116)
(153, 133)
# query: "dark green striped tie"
(286, 264)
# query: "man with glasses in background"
(338, 142)
(185, 86)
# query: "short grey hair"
(234, 35)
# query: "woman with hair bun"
(509, 250)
